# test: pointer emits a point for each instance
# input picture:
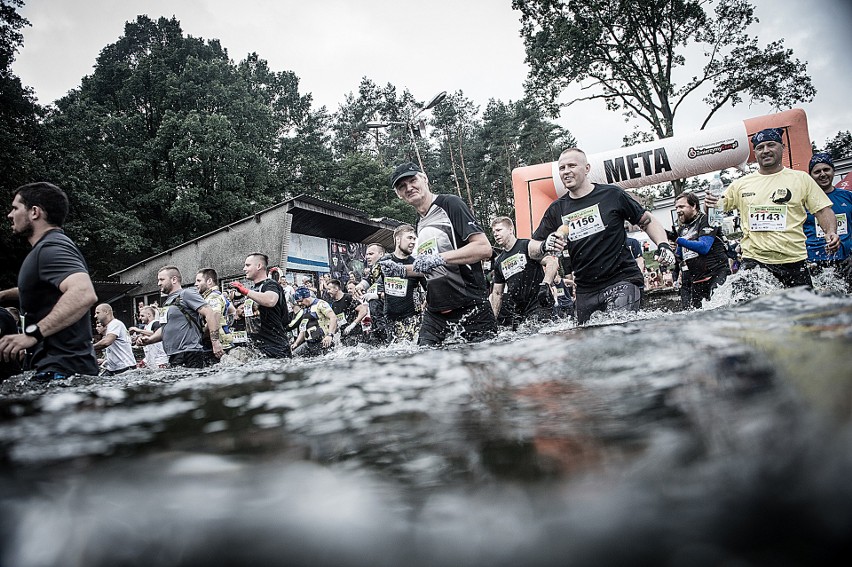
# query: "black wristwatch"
(34, 332)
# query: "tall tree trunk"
(453, 163)
(464, 172)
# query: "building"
(304, 236)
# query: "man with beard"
(591, 217)
(702, 249)
(515, 270)
(54, 289)
(402, 308)
(265, 309)
(349, 311)
(181, 322)
(374, 293)
(205, 283)
(450, 249)
(822, 170)
(773, 202)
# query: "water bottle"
(714, 214)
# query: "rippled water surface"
(713, 437)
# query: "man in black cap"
(774, 202)
(450, 249)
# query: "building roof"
(314, 217)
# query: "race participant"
(8, 326)
(265, 309)
(592, 217)
(155, 356)
(774, 202)
(373, 288)
(317, 325)
(402, 302)
(821, 168)
(349, 311)
(450, 251)
(702, 249)
(524, 277)
(181, 324)
(205, 282)
(118, 357)
(54, 290)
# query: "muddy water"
(713, 437)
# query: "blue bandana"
(820, 158)
(767, 135)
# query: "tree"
(840, 146)
(632, 53)
(169, 139)
(20, 132)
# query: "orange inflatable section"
(534, 189)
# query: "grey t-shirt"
(179, 333)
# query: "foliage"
(840, 146)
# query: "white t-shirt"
(120, 353)
(155, 356)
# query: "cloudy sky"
(427, 47)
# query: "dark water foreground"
(719, 437)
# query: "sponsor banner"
(307, 253)
(664, 160)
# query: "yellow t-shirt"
(773, 209)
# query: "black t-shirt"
(346, 309)
(399, 292)
(273, 320)
(522, 276)
(448, 225)
(51, 260)
(596, 239)
(702, 266)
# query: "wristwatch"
(34, 332)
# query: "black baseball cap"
(404, 170)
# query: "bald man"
(119, 353)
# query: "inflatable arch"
(536, 186)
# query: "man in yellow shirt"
(773, 203)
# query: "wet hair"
(401, 229)
(209, 274)
(503, 220)
(261, 256)
(48, 197)
(691, 199)
(381, 247)
(173, 271)
(336, 282)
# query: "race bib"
(842, 226)
(765, 218)
(341, 318)
(512, 265)
(302, 326)
(689, 254)
(248, 308)
(428, 247)
(397, 287)
(583, 223)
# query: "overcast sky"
(427, 47)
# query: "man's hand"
(240, 288)
(554, 242)
(13, 346)
(710, 201)
(327, 341)
(426, 263)
(218, 351)
(666, 255)
(392, 269)
(832, 243)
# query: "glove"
(425, 263)
(392, 269)
(667, 256)
(545, 295)
(551, 241)
(240, 288)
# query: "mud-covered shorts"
(624, 296)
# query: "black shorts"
(791, 274)
(623, 295)
(702, 290)
(115, 372)
(189, 359)
(469, 324)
